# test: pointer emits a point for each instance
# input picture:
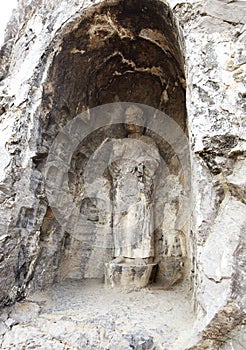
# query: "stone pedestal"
(128, 273)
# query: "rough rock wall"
(214, 34)
(214, 40)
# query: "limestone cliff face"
(61, 58)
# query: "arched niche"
(116, 51)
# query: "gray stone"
(62, 58)
(24, 312)
(3, 328)
(128, 273)
(229, 11)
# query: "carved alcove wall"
(117, 51)
(57, 62)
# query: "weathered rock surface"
(44, 84)
(85, 315)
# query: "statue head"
(133, 117)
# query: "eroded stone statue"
(133, 165)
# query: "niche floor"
(85, 315)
